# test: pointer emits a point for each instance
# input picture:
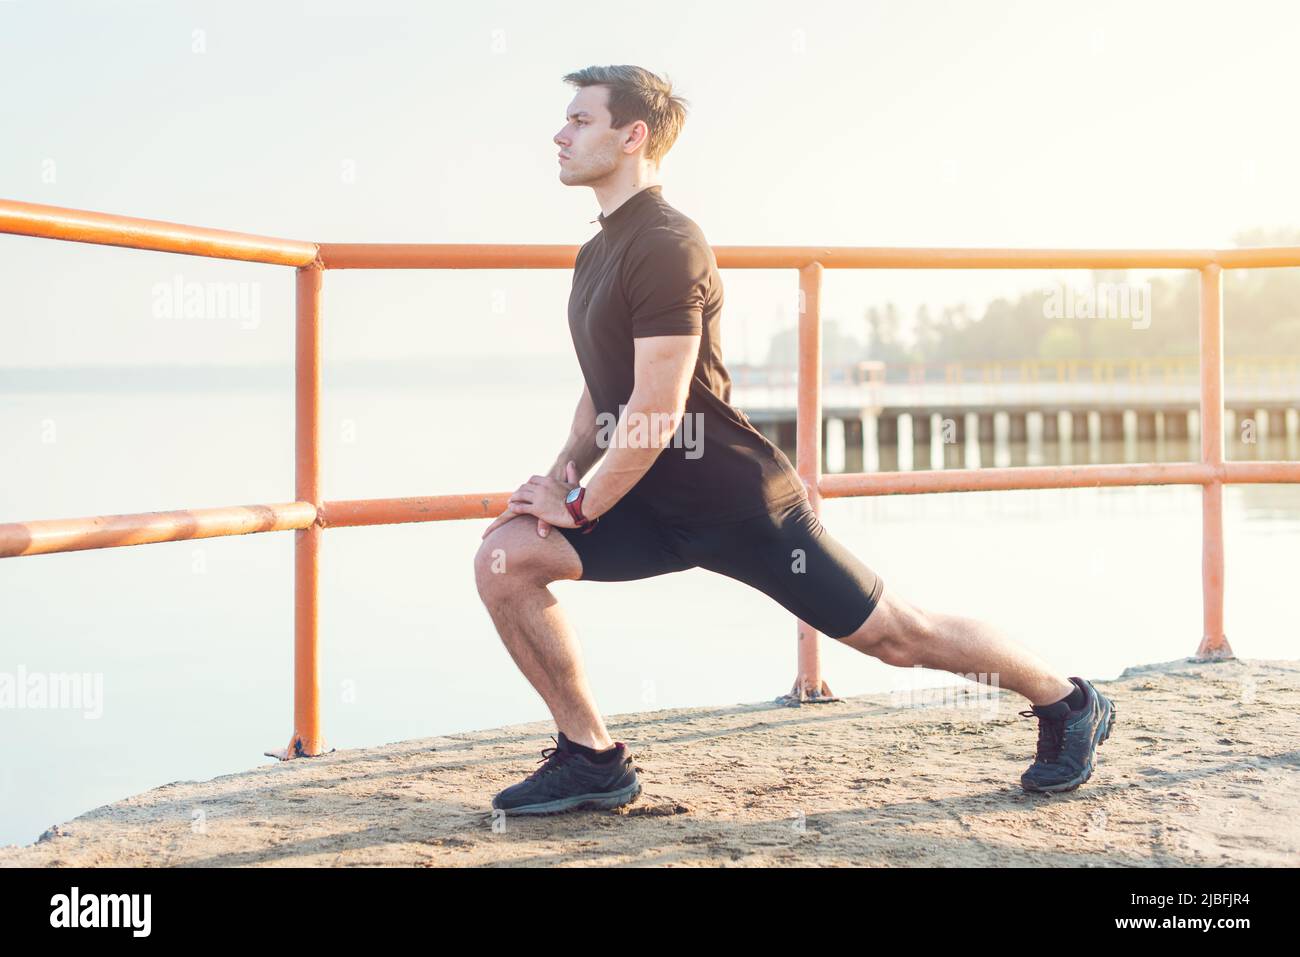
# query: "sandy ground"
(1203, 768)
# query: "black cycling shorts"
(788, 555)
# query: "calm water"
(193, 640)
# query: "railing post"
(1214, 644)
(307, 740)
(808, 684)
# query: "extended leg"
(1071, 724)
(899, 633)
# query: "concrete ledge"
(1203, 768)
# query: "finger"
(525, 497)
(571, 472)
(497, 523)
(543, 527)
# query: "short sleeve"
(666, 277)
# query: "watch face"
(573, 495)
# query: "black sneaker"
(567, 781)
(1068, 740)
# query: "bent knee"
(500, 564)
(490, 563)
(513, 558)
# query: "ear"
(636, 136)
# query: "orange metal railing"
(308, 515)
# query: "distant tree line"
(1261, 317)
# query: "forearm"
(627, 461)
(581, 450)
(581, 447)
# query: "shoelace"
(552, 758)
(1051, 736)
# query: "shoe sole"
(1103, 731)
(601, 801)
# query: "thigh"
(628, 542)
(791, 558)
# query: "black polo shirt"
(650, 272)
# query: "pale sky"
(911, 123)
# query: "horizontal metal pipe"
(77, 225)
(867, 257)
(504, 256)
(387, 511)
(999, 479)
(446, 256)
(1258, 257)
(110, 531)
(1261, 473)
(427, 508)
(492, 256)
(105, 229)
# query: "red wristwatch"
(573, 502)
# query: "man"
(645, 318)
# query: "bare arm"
(664, 365)
(581, 447)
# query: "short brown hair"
(637, 94)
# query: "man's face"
(590, 150)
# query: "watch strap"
(575, 511)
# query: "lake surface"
(193, 641)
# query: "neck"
(613, 194)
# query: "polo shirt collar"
(625, 213)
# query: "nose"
(559, 139)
